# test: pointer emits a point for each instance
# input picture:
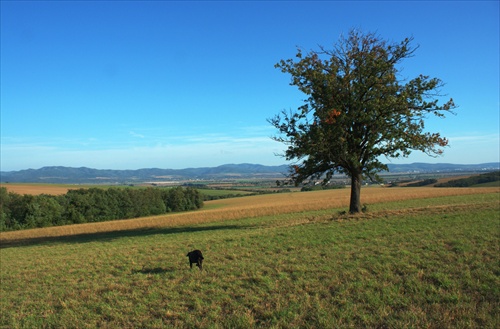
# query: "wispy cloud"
(476, 138)
(180, 152)
(251, 145)
(134, 134)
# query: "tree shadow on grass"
(113, 235)
(156, 270)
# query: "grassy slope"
(254, 206)
(414, 263)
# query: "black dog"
(195, 257)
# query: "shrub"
(473, 180)
(92, 205)
(425, 182)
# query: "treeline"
(473, 180)
(320, 187)
(92, 205)
(424, 182)
(209, 197)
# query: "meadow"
(419, 257)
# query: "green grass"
(414, 264)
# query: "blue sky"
(128, 85)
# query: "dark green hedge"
(92, 205)
(473, 180)
(425, 182)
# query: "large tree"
(359, 108)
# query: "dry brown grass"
(246, 207)
(36, 189)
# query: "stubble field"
(36, 189)
(419, 257)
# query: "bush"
(425, 182)
(473, 180)
(92, 205)
(320, 187)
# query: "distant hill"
(83, 175)
(68, 175)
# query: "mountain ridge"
(73, 175)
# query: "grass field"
(419, 258)
(254, 206)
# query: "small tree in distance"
(358, 109)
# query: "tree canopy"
(92, 205)
(358, 108)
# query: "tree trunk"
(355, 205)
